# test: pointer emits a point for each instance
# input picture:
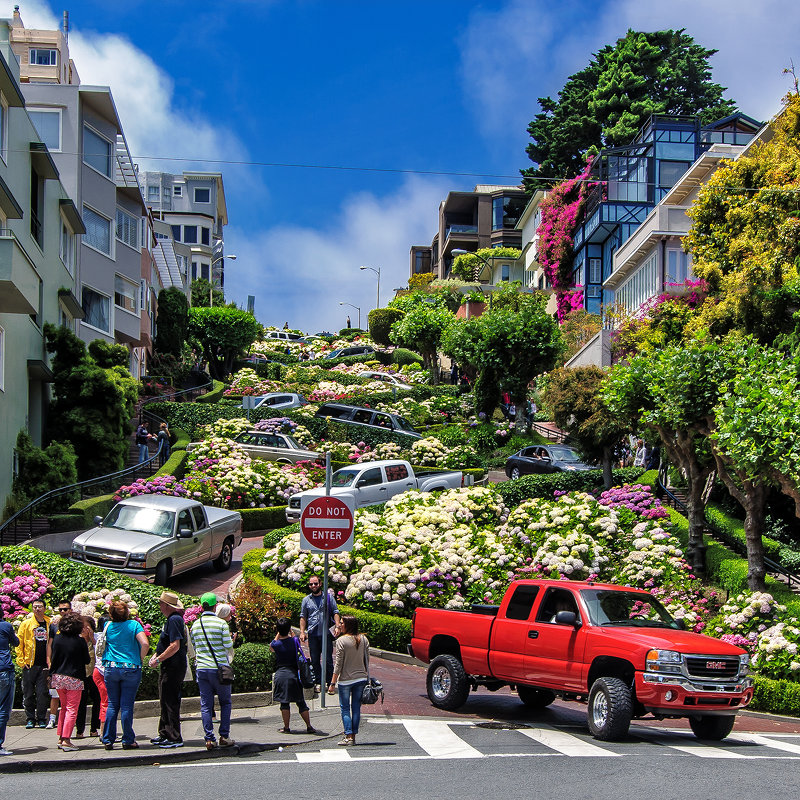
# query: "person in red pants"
(70, 655)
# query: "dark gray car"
(544, 459)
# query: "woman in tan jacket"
(350, 675)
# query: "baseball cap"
(208, 599)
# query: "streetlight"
(378, 273)
(211, 276)
(357, 308)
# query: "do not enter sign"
(326, 524)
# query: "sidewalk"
(255, 725)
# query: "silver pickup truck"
(378, 481)
(157, 536)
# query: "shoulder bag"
(305, 672)
(374, 688)
(224, 671)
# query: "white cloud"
(300, 274)
(529, 47)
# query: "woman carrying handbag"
(350, 676)
(286, 686)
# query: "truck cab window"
(554, 601)
(185, 520)
(521, 602)
(199, 518)
(372, 477)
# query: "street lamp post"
(378, 273)
(357, 308)
(211, 276)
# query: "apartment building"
(40, 226)
(83, 133)
(193, 205)
(484, 217)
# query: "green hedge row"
(214, 395)
(776, 697)
(70, 578)
(384, 631)
(262, 519)
(93, 507)
(515, 492)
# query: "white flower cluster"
(95, 604)
(225, 428)
(428, 452)
(576, 555)
(654, 557)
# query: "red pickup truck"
(617, 648)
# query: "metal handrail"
(80, 487)
(166, 398)
(549, 433)
(722, 535)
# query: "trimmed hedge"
(93, 507)
(66, 522)
(776, 697)
(515, 492)
(214, 395)
(70, 578)
(175, 465)
(261, 519)
(384, 631)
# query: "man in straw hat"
(171, 655)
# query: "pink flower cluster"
(739, 641)
(166, 484)
(637, 497)
(20, 586)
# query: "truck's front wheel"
(225, 558)
(535, 698)
(162, 573)
(610, 709)
(447, 683)
(712, 728)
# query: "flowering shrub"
(247, 382)
(330, 390)
(207, 454)
(385, 451)
(776, 653)
(635, 497)
(340, 451)
(654, 559)
(428, 452)
(576, 556)
(748, 615)
(260, 484)
(165, 484)
(300, 433)
(225, 428)
(95, 604)
(20, 585)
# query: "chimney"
(17, 22)
(66, 26)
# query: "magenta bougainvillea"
(562, 212)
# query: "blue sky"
(428, 86)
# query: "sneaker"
(158, 740)
(347, 741)
(4, 752)
(167, 744)
(43, 725)
(94, 734)
(69, 748)
(225, 742)
(210, 744)
(131, 746)
(30, 724)
(51, 723)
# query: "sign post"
(326, 526)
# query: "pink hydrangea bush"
(20, 585)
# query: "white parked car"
(384, 377)
(279, 400)
(280, 447)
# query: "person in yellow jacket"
(32, 658)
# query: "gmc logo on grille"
(715, 665)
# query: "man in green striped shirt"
(212, 643)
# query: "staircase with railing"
(677, 499)
(37, 518)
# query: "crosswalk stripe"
(564, 743)
(438, 740)
(326, 756)
(777, 744)
(699, 749)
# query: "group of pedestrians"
(162, 440)
(82, 662)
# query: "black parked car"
(542, 459)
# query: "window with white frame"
(42, 57)
(190, 234)
(595, 270)
(641, 286)
(96, 309)
(127, 229)
(153, 192)
(97, 151)
(202, 195)
(66, 247)
(679, 266)
(47, 122)
(98, 231)
(177, 190)
(125, 293)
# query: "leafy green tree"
(574, 398)
(672, 392)
(223, 333)
(173, 321)
(93, 405)
(107, 354)
(202, 293)
(469, 266)
(380, 323)
(744, 239)
(606, 103)
(421, 330)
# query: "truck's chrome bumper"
(733, 687)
